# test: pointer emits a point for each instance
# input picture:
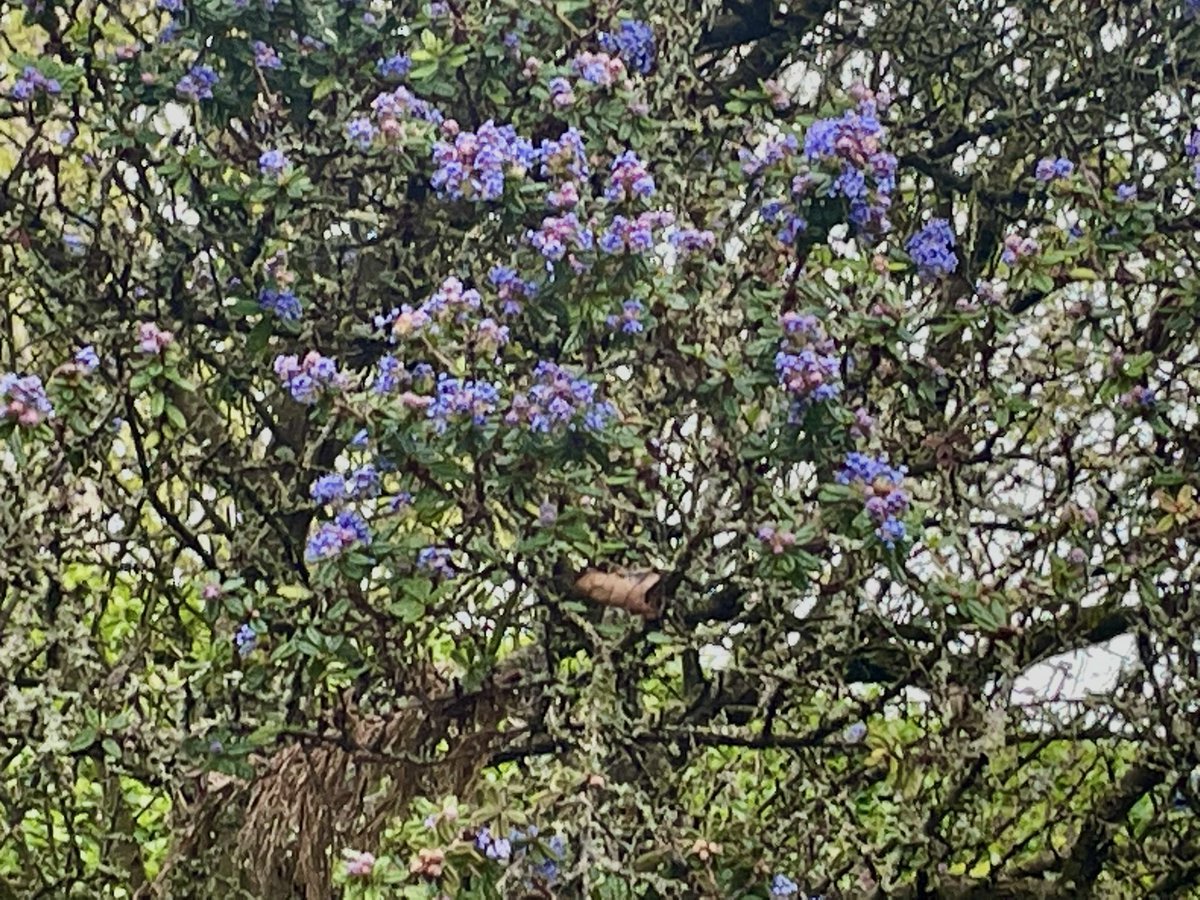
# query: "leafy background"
(582, 640)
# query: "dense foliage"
(561, 448)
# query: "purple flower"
(782, 886)
(630, 319)
(1049, 169)
(932, 249)
(329, 489)
(153, 340)
(629, 178)
(691, 240)
(331, 539)
(558, 234)
(31, 82)
(476, 164)
(512, 289)
(273, 163)
(394, 67)
(245, 640)
(558, 401)
(436, 560)
(565, 157)
(361, 131)
(884, 500)
(198, 83)
(1126, 193)
(459, 400)
(562, 94)
(599, 69)
(306, 380)
(634, 43)
(86, 359)
(625, 235)
(23, 400)
(283, 304)
(265, 56)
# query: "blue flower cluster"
(331, 539)
(932, 249)
(599, 69)
(1017, 248)
(564, 157)
(436, 561)
(273, 163)
(391, 107)
(629, 178)
(692, 240)
(394, 67)
(86, 359)
(634, 43)
(475, 165)
(31, 82)
(265, 56)
(559, 401)
(245, 639)
(548, 854)
(885, 500)
(23, 399)
(782, 886)
(868, 173)
(456, 400)
(307, 379)
(806, 364)
(335, 489)
(1049, 169)
(557, 234)
(511, 288)
(625, 235)
(282, 303)
(198, 83)
(361, 131)
(630, 319)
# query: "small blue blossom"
(782, 886)
(559, 401)
(306, 380)
(328, 489)
(885, 501)
(87, 360)
(331, 539)
(265, 56)
(458, 400)
(477, 163)
(360, 439)
(1049, 169)
(629, 178)
(634, 43)
(1126, 193)
(273, 163)
(394, 67)
(630, 319)
(361, 131)
(23, 399)
(245, 640)
(932, 249)
(198, 83)
(436, 561)
(283, 304)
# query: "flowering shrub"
(697, 439)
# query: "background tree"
(571, 448)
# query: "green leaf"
(83, 740)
